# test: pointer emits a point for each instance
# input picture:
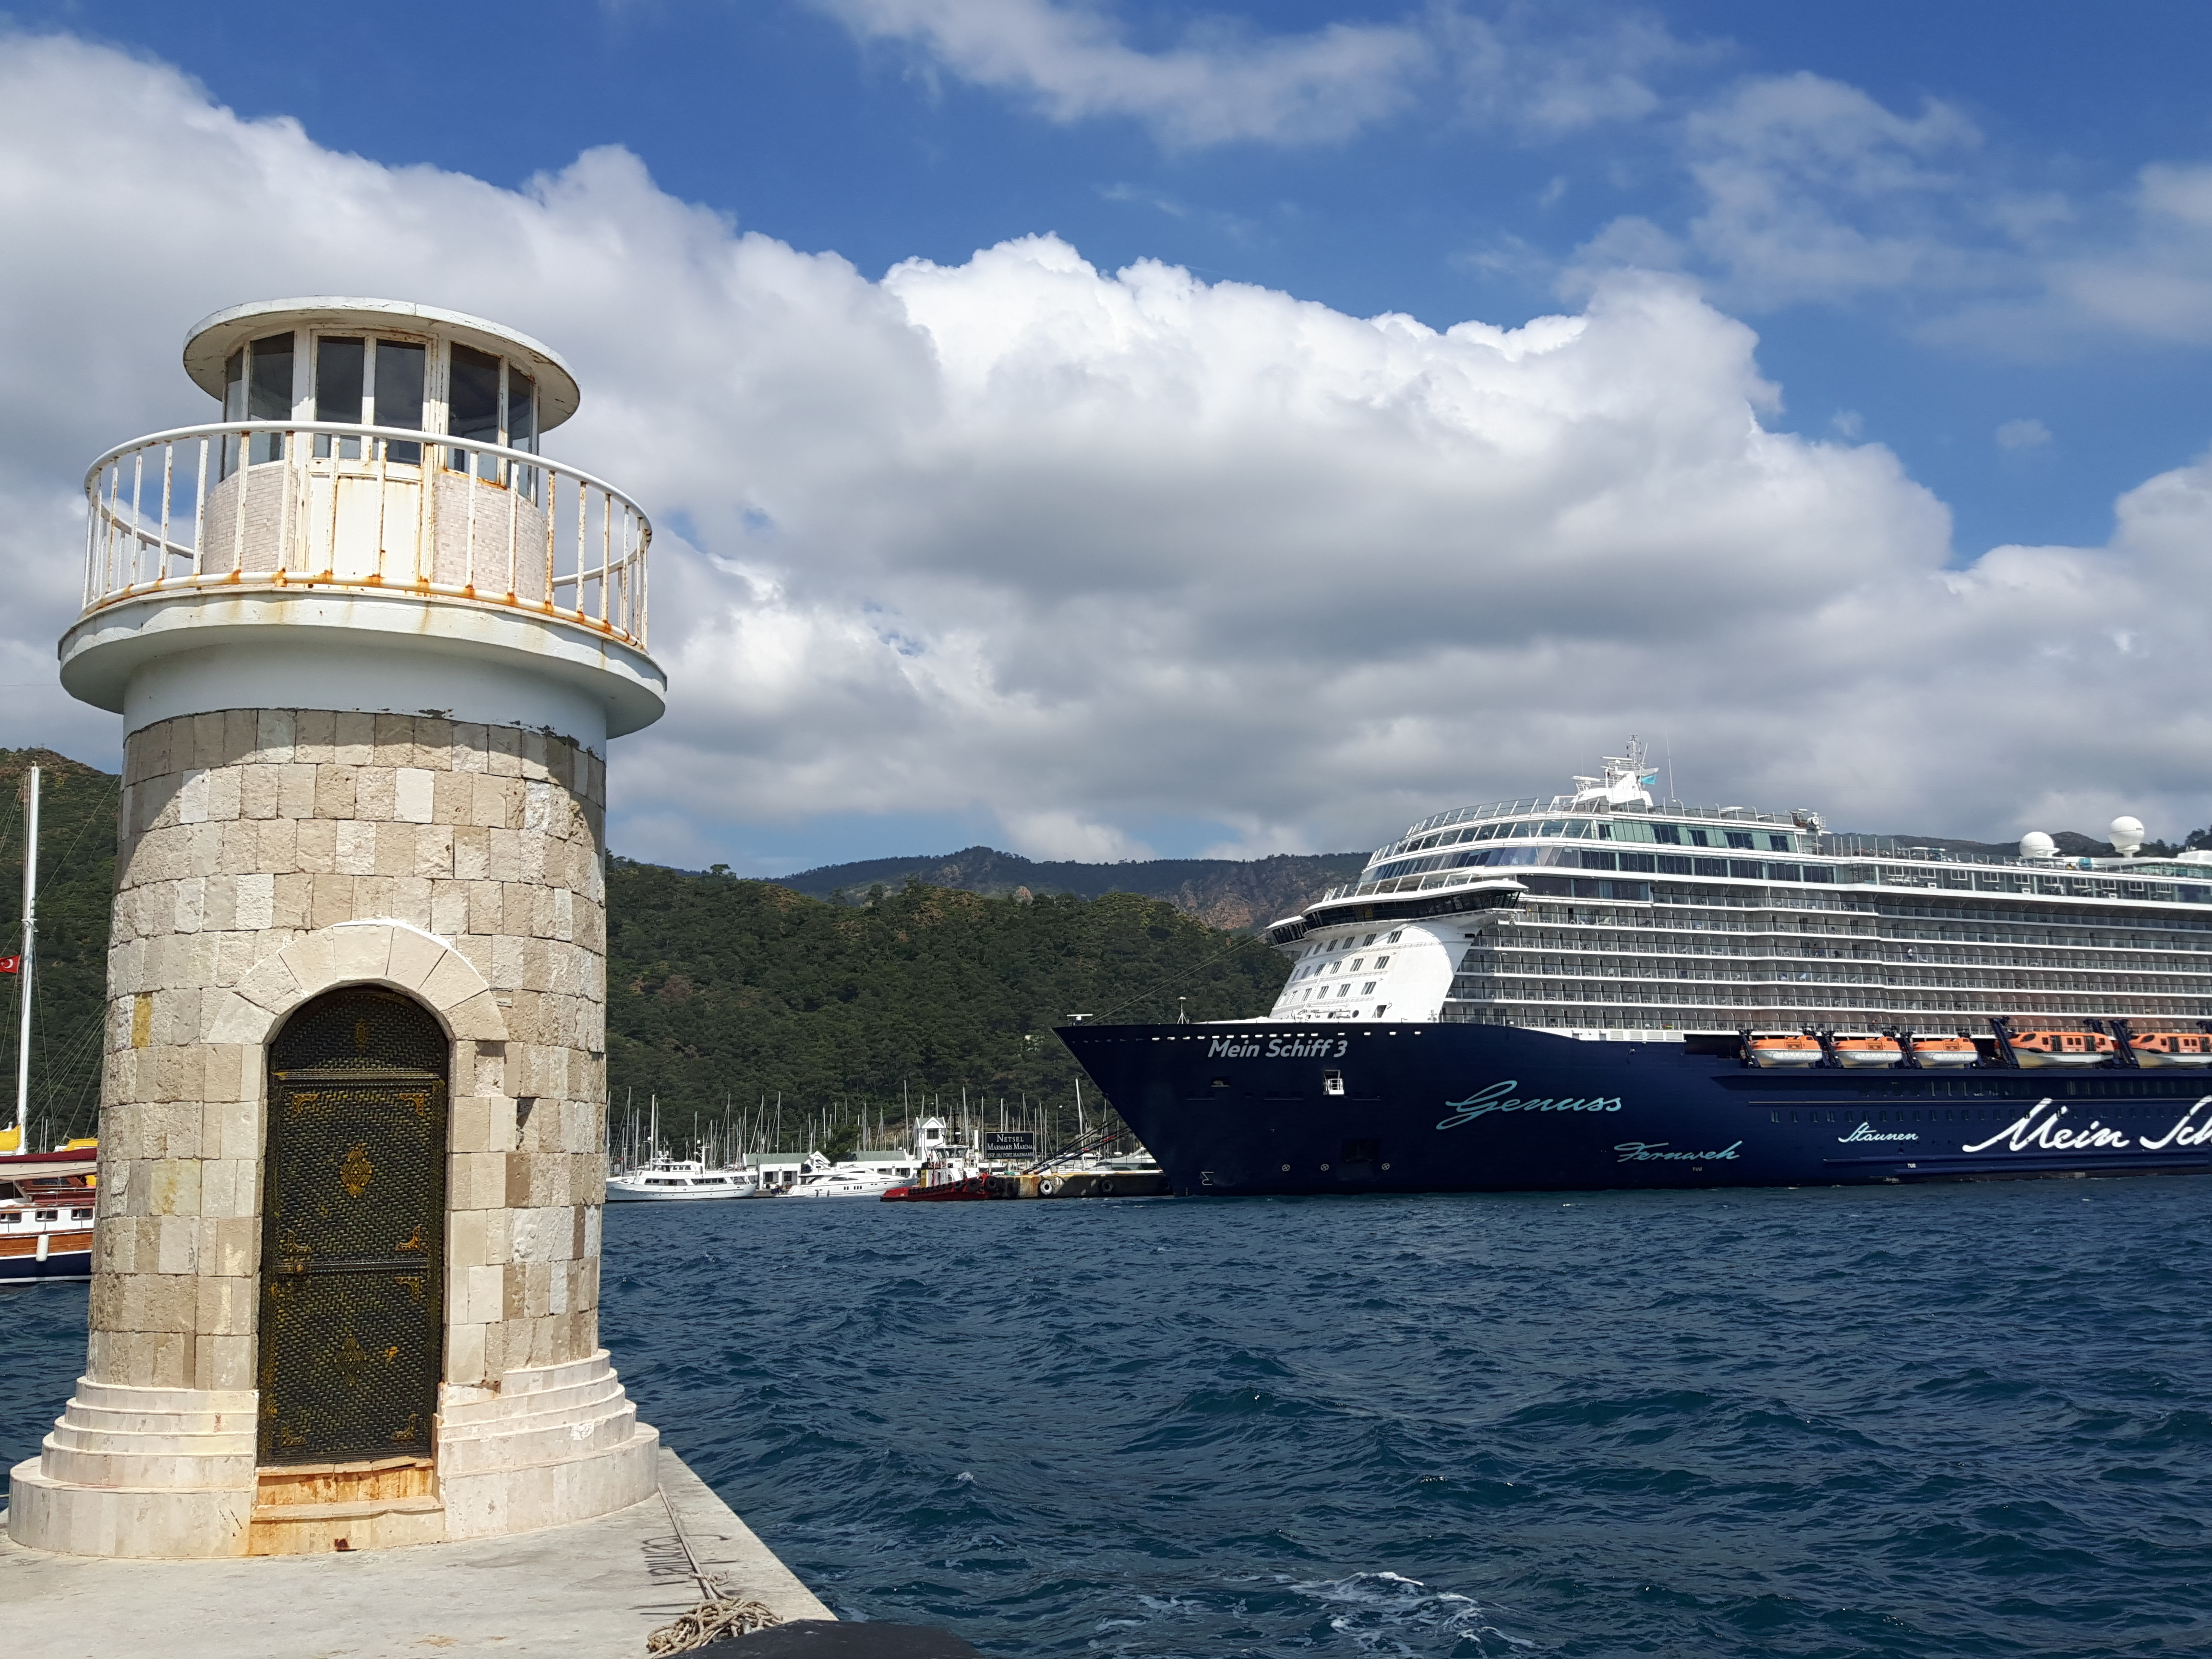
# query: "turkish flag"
(11, 964)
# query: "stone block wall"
(266, 855)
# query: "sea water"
(1943, 1420)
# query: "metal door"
(353, 1232)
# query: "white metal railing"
(286, 505)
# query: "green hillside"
(1229, 893)
(721, 990)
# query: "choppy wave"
(1942, 1421)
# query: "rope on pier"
(721, 1611)
(724, 1613)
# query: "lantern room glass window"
(257, 385)
(472, 408)
(396, 396)
(490, 400)
(365, 380)
(341, 368)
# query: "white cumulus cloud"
(1086, 551)
(1220, 83)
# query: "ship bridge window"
(1740, 838)
(1668, 834)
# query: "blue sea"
(1949, 1420)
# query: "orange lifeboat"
(2062, 1048)
(1945, 1051)
(2172, 1048)
(1782, 1049)
(1861, 1049)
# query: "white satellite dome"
(2127, 834)
(2037, 845)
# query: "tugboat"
(942, 1174)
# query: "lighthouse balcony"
(295, 507)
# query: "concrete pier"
(593, 1590)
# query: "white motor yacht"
(870, 1174)
(679, 1178)
(848, 1183)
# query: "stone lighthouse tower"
(369, 646)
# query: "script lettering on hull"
(1498, 1097)
(1868, 1132)
(2042, 1129)
(1656, 1152)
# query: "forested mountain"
(1230, 893)
(722, 989)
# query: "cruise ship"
(1602, 989)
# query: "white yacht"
(870, 1174)
(679, 1178)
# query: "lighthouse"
(370, 643)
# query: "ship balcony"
(321, 508)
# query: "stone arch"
(369, 952)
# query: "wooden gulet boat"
(47, 1199)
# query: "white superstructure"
(1607, 912)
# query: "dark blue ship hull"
(1252, 1109)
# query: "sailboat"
(46, 1197)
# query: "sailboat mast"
(23, 967)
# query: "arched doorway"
(353, 1230)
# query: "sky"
(1106, 429)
